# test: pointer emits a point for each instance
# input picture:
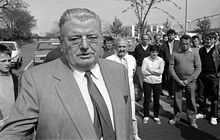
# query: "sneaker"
(193, 124)
(172, 122)
(214, 121)
(2, 122)
(157, 120)
(136, 137)
(145, 120)
(200, 116)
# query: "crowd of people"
(85, 90)
(188, 68)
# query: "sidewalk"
(181, 131)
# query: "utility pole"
(185, 29)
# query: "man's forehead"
(90, 23)
(146, 37)
(122, 43)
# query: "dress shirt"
(171, 46)
(156, 65)
(208, 49)
(145, 47)
(99, 82)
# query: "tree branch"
(5, 3)
(148, 9)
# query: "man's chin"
(87, 64)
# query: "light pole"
(185, 17)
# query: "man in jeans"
(185, 67)
(210, 59)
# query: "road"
(152, 131)
(181, 131)
(28, 53)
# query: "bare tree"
(142, 9)
(16, 21)
(3, 3)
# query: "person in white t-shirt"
(121, 56)
(152, 69)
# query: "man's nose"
(85, 43)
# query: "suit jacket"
(51, 102)
(215, 56)
(165, 52)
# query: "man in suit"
(166, 52)
(210, 59)
(61, 99)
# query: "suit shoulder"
(45, 68)
(111, 57)
(111, 65)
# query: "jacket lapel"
(117, 100)
(73, 102)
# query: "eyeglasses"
(77, 40)
(5, 60)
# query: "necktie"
(102, 120)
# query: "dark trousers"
(168, 83)
(211, 87)
(189, 91)
(148, 88)
(138, 82)
(200, 94)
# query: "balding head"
(121, 47)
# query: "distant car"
(16, 56)
(43, 48)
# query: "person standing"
(152, 69)
(185, 67)
(141, 51)
(210, 58)
(121, 56)
(166, 52)
(8, 84)
(78, 96)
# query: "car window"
(47, 46)
(9, 45)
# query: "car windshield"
(47, 45)
(9, 45)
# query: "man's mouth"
(85, 55)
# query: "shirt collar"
(189, 50)
(212, 46)
(96, 72)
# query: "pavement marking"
(28, 65)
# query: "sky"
(47, 12)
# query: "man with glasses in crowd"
(77, 96)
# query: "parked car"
(16, 56)
(43, 48)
